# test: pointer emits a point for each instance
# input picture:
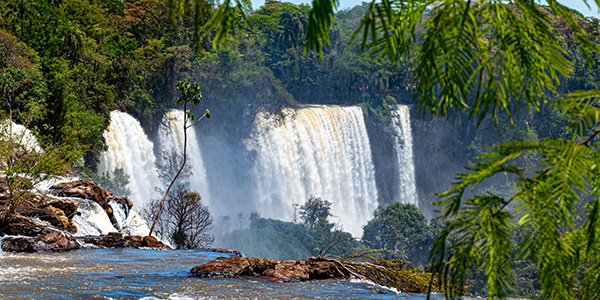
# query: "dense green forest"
(66, 64)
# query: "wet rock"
(56, 241)
(152, 242)
(274, 270)
(117, 240)
(11, 244)
(53, 241)
(112, 240)
(37, 200)
(84, 189)
(68, 206)
(52, 215)
(24, 226)
(133, 241)
(124, 201)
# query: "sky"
(575, 4)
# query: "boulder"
(68, 206)
(274, 270)
(152, 242)
(20, 225)
(112, 240)
(52, 215)
(53, 241)
(134, 241)
(56, 241)
(77, 189)
(84, 189)
(117, 240)
(37, 200)
(11, 244)
(124, 201)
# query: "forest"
(66, 64)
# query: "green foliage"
(389, 268)
(555, 236)
(315, 211)
(403, 228)
(115, 183)
(23, 165)
(272, 238)
(285, 240)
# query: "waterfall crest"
(130, 149)
(319, 150)
(403, 146)
(171, 142)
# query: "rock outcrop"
(23, 226)
(117, 240)
(53, 241)
(33, 216)
(274, 270)
(84, 189)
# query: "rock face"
(53, 241)
(84, 189)
(274, 270)
(24, 226)
(59, 212)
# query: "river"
(151, 274)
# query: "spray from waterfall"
(319, 150)
(128, 148)
(171, 143)
(403, 146)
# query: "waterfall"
(130, 149)
(170, 135)
(20, 134)
(403, 146)
(91, 219)
(319, 150)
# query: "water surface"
(151, 274)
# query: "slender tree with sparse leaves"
(190, 93)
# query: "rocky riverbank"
(45, 222)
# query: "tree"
(315, 210)
(23, 164)
(190, 93)
(10, 82)
(116, 184)
(185, 221)
(401, 227)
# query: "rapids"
(154, 274)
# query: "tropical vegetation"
(507, 65)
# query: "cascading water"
(171, 142)
(319, 150)
(20, 134)
(130, 150)
(403, 146)
(91, 219)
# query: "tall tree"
(190, 93)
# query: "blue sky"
(575, 4)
